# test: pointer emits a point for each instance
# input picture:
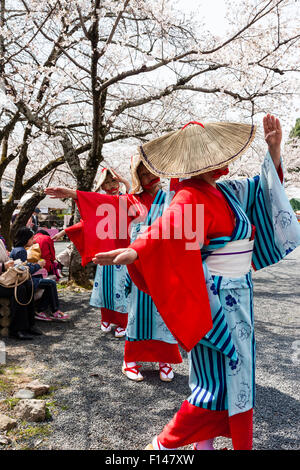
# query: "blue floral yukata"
(225, 379)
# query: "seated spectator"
(21, 316)
(46, 244)
(49, 299)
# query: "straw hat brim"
(194, 149)
(136, 186)
(103, 176)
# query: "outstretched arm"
(58, 236)
(61, 193)
(120, 256)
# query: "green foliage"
(12, 402)
(5, 385)
(27, 431)
(48, 414)
(295, 132)
(295, 203)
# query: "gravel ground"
(98, 408)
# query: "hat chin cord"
(192, 122)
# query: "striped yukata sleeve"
(265, 202)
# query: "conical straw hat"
(103, 176)
(196, 148)
(135, 180)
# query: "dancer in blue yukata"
(109, 283)
(204, 289)
(147, 337)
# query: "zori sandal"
(131, 370)
(166, 373)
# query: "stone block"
(31, 410)
(7, 423)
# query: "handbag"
(14, 277)
(34, 253)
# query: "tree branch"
(42, 173)
(113, 30)
(144, 69)
(165, 92)
(259, 15)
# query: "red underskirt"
(193, 424)
(111, 316)
(152, 351)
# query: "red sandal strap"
(165, 366)
(134, 369)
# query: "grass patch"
(52, 408)
(27, 432)
(10, 378)
(6, 385)
(72, 286)
(62, 285)
(64, 407)
(14, 370)
(48, 414)
(11, 402)
(35, 431)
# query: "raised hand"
(117, 176)
(121, 256)
(273, 137)
(120, 179)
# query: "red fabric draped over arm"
(172, 274)
(104, 223)
(76, 235)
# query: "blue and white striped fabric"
(109, 288)
(144, 320)
(218, 381)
